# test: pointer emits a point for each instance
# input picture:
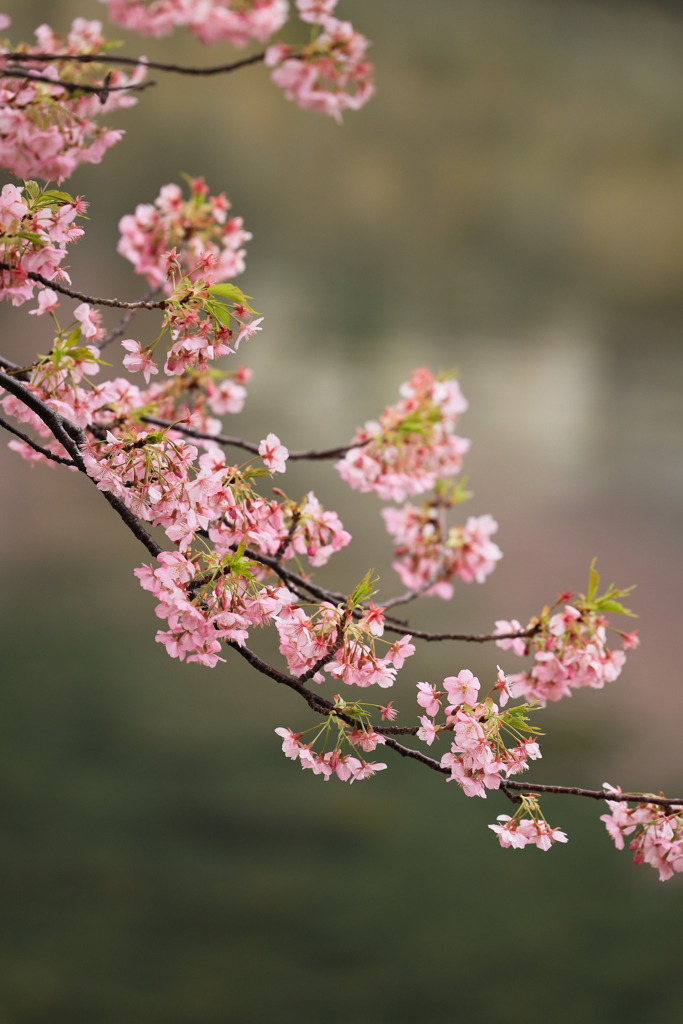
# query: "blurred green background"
(510, 204)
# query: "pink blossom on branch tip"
(139, 360)
(47, 302)
(273, 453)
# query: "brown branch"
(472, 638)
(73, 294)
(71, 437)
(325, 707)
(98, 90)
(319, 704)
(17, 372)
(36, 447)
(249, 446)
(286, 541)
(94, 58)
(294, 580)
(595, 794)
(120, 328)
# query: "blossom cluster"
(212, 21)
(349, 647)
(203, 609)
(355, 737)
(518, 831)
(428, 561)
(331, 73)
(411, 449)
(569, 647)
(657, 836)
(56, 380)
(479, 756)
(46, 129)
(36, 228)
(412, 445)
(204, 238)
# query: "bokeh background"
(510, 204)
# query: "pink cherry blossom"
(503, 686)
(196, 227)
(47, 302)
(273, 453)
(212, 21)
(329, 74)
(47, 131)
(427, 731)
(463, 688)
(517, 644)
(401, 650)
(428, 698)
(392, 459)
(570, 652)
(315, 11)
(373, 619)
(34, 239)
(90, 320)
(139, 360)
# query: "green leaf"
(233, 293)
(221, 312)
(606, 604)
(364, 589)
(593, 580)
(54, 194)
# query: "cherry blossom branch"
(595, 794)
(248, 446)
(322, 706)
(36, 447)
(95, 58)
(17, 371)
(317, 703)
(286, 541)
(472, 638)
(93, 300)
(295, 580)
(334, 596)
(71, 437)
(120, 328)
(56, 423)
(98, 90)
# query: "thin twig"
(72, 437)
(248, 446)
(472, 638)
(95, 58)
(17, 372)
(73, 294)
(286, 541)
(99, 90)
(120, 328)
(325, 707)
(596, 794)
(36, 447)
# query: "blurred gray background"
(510, 204)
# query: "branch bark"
(92, 299)
(96, 58)
(248, 446)
(322, 706)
